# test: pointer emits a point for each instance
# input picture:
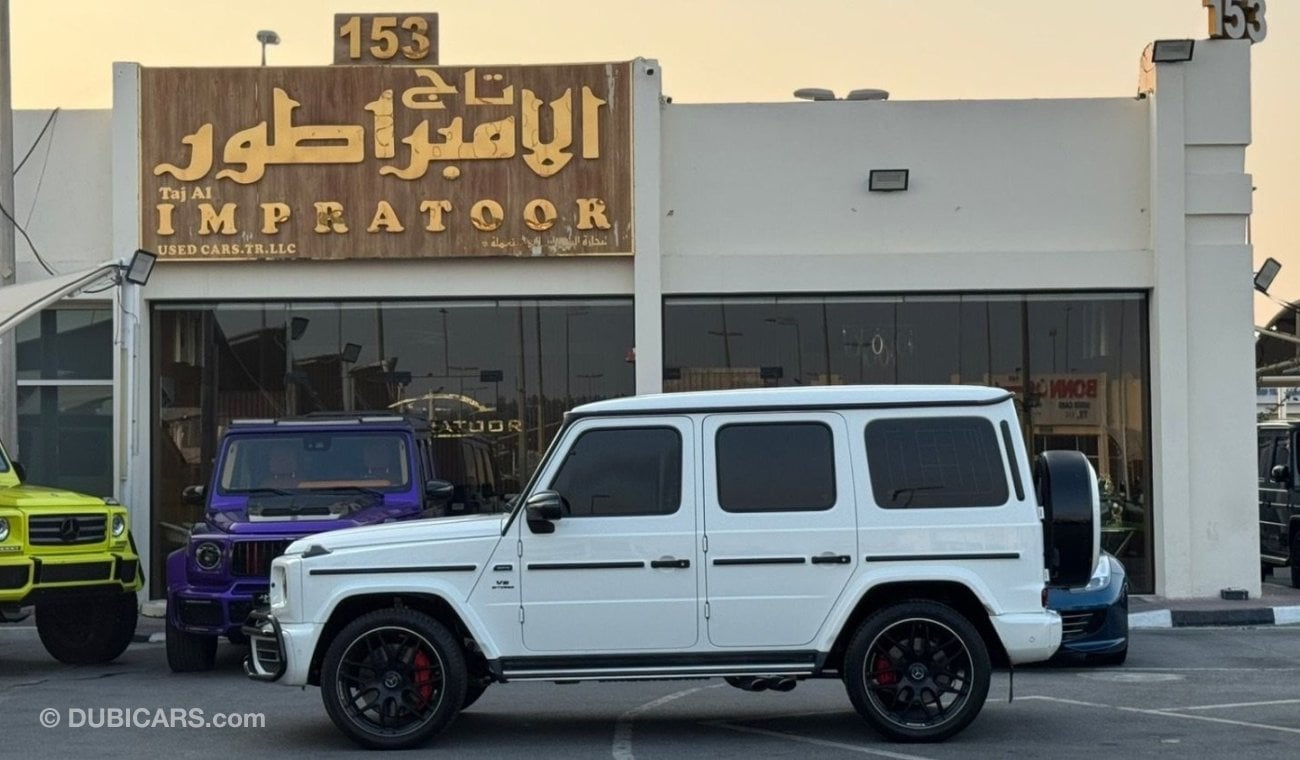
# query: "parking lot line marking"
(622, 749)
(1231, 705)
(818, 742)
(1168, 714)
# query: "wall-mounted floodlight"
(267, 37)
(141, 267)
(298, 326)
(1172, 51)
(887, 180)
(1267, 271)
(814, 93)
(351, 352)
(867, 94)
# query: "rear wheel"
(393, 679)
(917, 671)
(84, 631)
(189, 652)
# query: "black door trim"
(760, 561)
(585, 565)
(939, 557)
(379, 570)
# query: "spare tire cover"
(1066, 485)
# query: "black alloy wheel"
(393, 678)
(917, 671)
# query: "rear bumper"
(1028, 636)
(29, 580)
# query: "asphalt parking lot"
(1209, 692)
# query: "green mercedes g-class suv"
(71, 557)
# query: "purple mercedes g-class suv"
(275, 481)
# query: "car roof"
(333, 420)
(814, 397)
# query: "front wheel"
(917, 671)
(87, 631)
(189, 652)
(393, 679)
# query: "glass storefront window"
(1081, 356)
(64, 370)
(503, 370)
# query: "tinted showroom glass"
(935, 462)
(775, 467)
(622, 471)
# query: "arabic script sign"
(386, 162)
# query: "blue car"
(1095, 616)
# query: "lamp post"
(267, 37)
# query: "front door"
(780, 525)
(1274, 497)
(619, 571)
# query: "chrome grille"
(66, 530)
(1076, 624)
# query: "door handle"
(673, 562)
(832, 559)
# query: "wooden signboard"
(350, 162)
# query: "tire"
(1265, 570)
(189, 652)
(411, 663)
(908, 654)
(1295, 559)
(1066, 486)
(87, 631)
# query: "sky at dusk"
(718, 51)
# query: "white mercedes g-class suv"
(896, 538)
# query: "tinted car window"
(935, 462)
(1282, 450)
(1265, 455)
(775, 467)
(622, 471)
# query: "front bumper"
(214, 612)
(29, 579)
(278, 652)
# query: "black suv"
(1279, 498)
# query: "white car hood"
(432, 529)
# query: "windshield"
(293, 462)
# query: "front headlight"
(119, 526)
(1101, 576)
(4, 528)
(207, 555)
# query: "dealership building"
(492, 245)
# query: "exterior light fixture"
(867, 94)
(351, 352)
(1172, 51)
(1267, 271)
(141, 266)
(267, 37)
(814, 93)
(887, 180)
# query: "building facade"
(1089, 255)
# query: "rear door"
(779, 523)
(1275, 499)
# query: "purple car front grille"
(253, 558)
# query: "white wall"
(1207, 520)
(1003, 194)
(63, 194)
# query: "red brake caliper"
(423, 676)
(885, 675)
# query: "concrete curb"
(1247, 616)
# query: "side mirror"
(1280, 474)
(193, 495)
(439, 491)
(19, 470)
(542, 509)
